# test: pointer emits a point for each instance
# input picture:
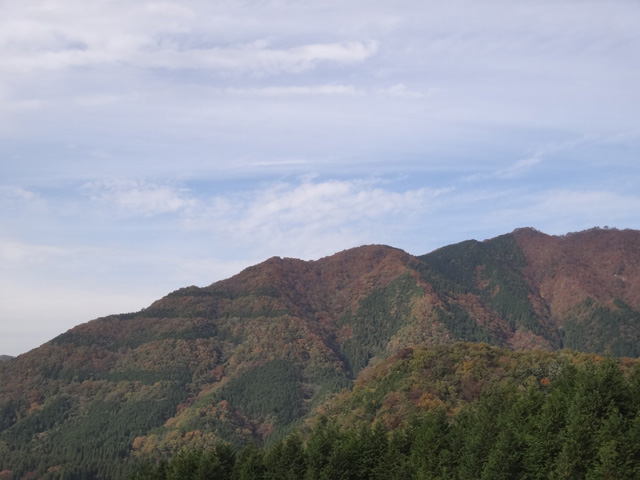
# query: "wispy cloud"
(519, 168)
(311, 217)
(400, 90)
(142, 53)
(513, 171)
(17, 193)
(134, 198)
(286, 91)
(256, 57)
(12, 252)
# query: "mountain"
(4, 358)
(248, 358)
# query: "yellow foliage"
(428, 401)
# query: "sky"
(150, 145)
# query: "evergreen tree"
(285, 460)
(249, 464)
(394, 465)
(430, 454)
(324, 437)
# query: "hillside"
(4, 358)
(200, 365)
(464, 411)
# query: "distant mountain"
(4, 358)
(247, 358)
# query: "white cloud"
(402, 91)
(257, 57)
(143, 51)
(12, 252)
(58, 35)
(510, 172)
(519, 168)
(286, 91)
(312, 218)
(18, 205)
(133, 198)
(17, 193)
(324, 204)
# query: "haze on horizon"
(146, 146)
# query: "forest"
(583, 424)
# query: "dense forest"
(583, 422)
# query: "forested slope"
(247, 359)
(461, 411)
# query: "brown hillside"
(603, 264)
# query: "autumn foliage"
(248, 360)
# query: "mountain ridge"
(198, 366)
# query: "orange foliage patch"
(428, 401)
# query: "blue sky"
(147, 146)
